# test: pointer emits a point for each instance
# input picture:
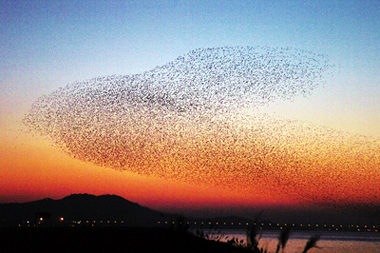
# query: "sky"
(47, 45)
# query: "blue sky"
(48, 44)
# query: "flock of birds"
(184, 121)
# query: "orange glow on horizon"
(38, 170)
(42, 171)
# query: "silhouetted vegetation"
(312, 243)
(283, 239)
(253, 238)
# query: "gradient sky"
(49, 44)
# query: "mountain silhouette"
(81, 209)
(113, 210)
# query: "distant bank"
(85, 210)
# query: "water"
(331, 242)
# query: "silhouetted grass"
(253, 238)
(312, 243)
(175, 238)
(283, 239)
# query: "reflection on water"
(331, 242)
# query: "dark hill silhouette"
(112, 210)
(81, 209)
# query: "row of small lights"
(224, 223)
(40, 220)
(94, 221)
(78, 222)
(285, 225)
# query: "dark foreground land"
(123, 239)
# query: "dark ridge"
(82, 208)
(112, 210)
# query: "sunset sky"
(321, 149)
